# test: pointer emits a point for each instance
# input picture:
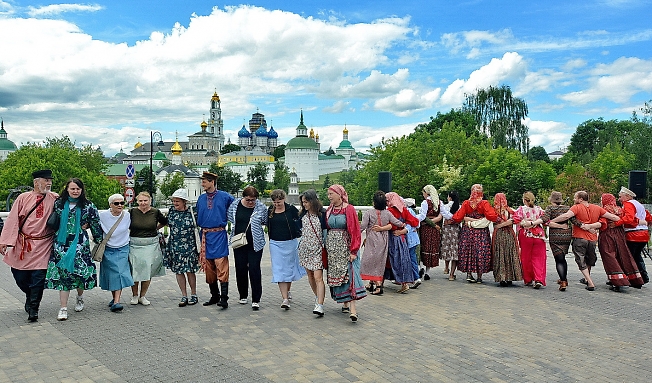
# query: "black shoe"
(503, 284)
(615, 289)
(590, 288)
(426, 277)
(584, 282)
(421, 272)
(469, 278)
(212, 301)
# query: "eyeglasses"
(250, 200)
(119, 203)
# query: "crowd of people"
(46, 243)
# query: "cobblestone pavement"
(443, 331)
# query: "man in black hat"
(26, 241)
(214, 255)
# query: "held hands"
(3, 249)
(352, 257)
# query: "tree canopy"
(66, 161)
(227, 179)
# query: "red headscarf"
(339, 189)
(609, 204)
(476, 195)
(500, 205)
(395, 200)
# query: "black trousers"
(247, 270)
(636, 248)
(32, 283)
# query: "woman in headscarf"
(342, 243)
(531, 235)
(560, 236)
(475, 244)
(504, 248)
(430, 231)
(399, 253)
(71, 266)
(450, 234)
(376, 222)
(616, 258)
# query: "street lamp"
(152, 136)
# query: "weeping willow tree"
(499, 115)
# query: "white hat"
(181, 194)
(624, 190)
(410, 201)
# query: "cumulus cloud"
(407, 101)
(56, 9)
(552, 135)
(510, 66)
(338, 107)
(617, 82)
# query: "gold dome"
(203, 125)
(345, 131)
(312, 133)
(176, 148)
(215, 97)
(138, 145)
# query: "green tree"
(227, 179)
(327, 182)
(257, 176)
(347, 177)
(228, 148)
(499, 115)
(330, 151)
(461, 118)
(66, 161)
(279, 151)
(281, 176)
(171, 183)
(611, 166)
(143, 180)
(576, 177)
(538, 153)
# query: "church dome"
(215, 97)
(272, 133)
(345, 144)
(176, 148)
(6, 144)
(261, 132)
(159, 156)
(244, 132)
(138, 145)
(302, 142)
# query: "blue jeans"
(415, 264)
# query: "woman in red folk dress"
(399, 253)
(475, 244)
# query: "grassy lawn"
(319, 184)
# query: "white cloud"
(542, 80)
(574, 64)
(616, 82)
(407, 101)
(56, 9)
(552, 135)
(510, 66)
(338, 107)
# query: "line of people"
(308, 242)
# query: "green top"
(143, 225)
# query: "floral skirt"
(474, 250)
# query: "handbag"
(239, 240)
(98, 251)
(195, 231)
(53, 220)
(324, 252)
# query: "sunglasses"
(119, 203)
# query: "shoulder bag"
(239, 240)
(195, 231)
(98, 251)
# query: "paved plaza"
(442, 332)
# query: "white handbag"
(239, 240)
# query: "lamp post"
(153, 135)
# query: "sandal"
(469, 278)
(370, 287)
(377, 291)
(403, 289)
(346, 310)
(184, 302)
(452, 277)
(354, 317)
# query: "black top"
(283, 226)
(242, 217)
(143, 225)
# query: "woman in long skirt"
(475, 244)
(343, 243)
(531, 235)
(618, 262)
(450, 235)
(399, 253)
(115, 274)
(374, 257)
(430, 229)
(506, 262)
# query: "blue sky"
(107, 73)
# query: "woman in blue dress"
(181, 253)
(343, 243)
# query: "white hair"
(115, 197)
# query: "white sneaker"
(285, 304)
(416, 284)
(289, 296)
(255, 306)
(80, 303)
(243, 301)
(134, 300)
(63, 313)
(318, 310)
(143, 301)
